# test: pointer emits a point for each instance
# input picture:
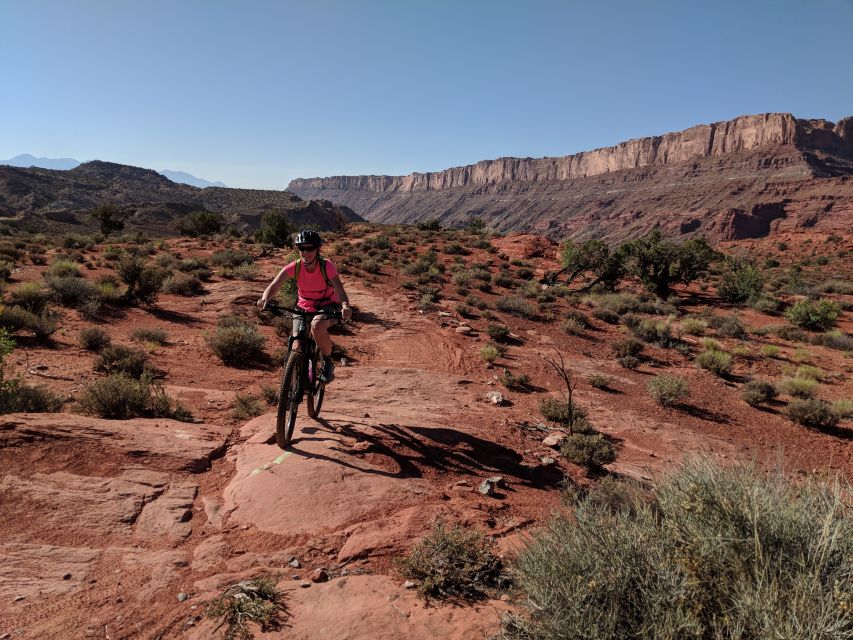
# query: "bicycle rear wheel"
(316, 387)
(288, 400)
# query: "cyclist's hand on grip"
(346, 312)
(262, 302)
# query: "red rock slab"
(373, 607)
(384, 535)
(316, 485)
(34, 570)
(168, 445)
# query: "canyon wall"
(746, 133)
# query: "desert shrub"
(498, 332)
(714, 552)
(514, 382)
(490, 353)
(30, 296)
(599, 381)
(153, 335)
(93, 338)
(814, 316)
(432, 224)
(812, 413)
(255, 601)
(572, 327)
(629, 362)
(461, 278)
(455, 249)
(71, 291)
(275, 229)
(25, 398)
(799, 387)
(525, 273)
(183, 284)
(668, 391)
(245, 271)
(504, 280)
(770, 350)
(195, 266)
(516, 306)
(740, 281)
(452, 563)
(792, 334)
(231, 258)
(576, 316)
(757, 392)
(694, 326)
(709, 344)
(843, 408)
(717, 362)
(729, 326)
(235, 341)
(843, 287)
(627, 347)
(118, 358)
(269, 393)
(464, 310)
(834, 340)
(809, 372)
(588, 450)
(246, 406)
(14, 318)
(605, 315)
(370, 265)
(768, 305)
(199, 223)
(117, 397)
(556, 410)
(62, 269)
(655, 332)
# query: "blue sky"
(256, 93)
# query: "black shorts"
(299, 320)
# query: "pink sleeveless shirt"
(311, 286)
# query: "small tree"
(661, 263)
(742, 281)
(573, 412)
(199, 223)
(275, 229)
(591, 256)
(109, 217)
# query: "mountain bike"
(301, 375)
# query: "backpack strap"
(296, 271)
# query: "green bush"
(30, 296)
(235, 341)
(799, 387)
(73, 292)
(694, 326)
(118, 358)
(62, 269)
(490, 352)
(93, 338)
(655, 332)
(557, 411)
(629, 362)
(183, 284)
(729, 327)
(275, 229)
(452, 563)
(627, 347)
(770, 350)
(599, 381)
(498, 332)
(246, 406)
(23, 398)
(153, 335)
(717, 362)
(15, 318)
(714, 552)
(199, 223)
(589, 450)
(834, 340)
(514, 382)
(814, 316)
(758, 392)
(231, 258)
(668, 391)
(117, 397)
(516, 306)
(741, 281)
(812, 413)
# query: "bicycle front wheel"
(289, 395)
(316, 388)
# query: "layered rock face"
(688, 172)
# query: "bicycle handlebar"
(273, 307)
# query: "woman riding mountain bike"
(319, 289)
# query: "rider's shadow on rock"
(366, 317)
(412, 448)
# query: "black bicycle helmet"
(308, 236)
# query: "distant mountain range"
(64, 164)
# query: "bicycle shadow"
(414, 449)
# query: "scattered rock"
(464, 329)
(294, 563)
(487, 486)
(344, 362)
(319, 575)
(554, 440)
(305, 585)
(545, 461)
(444, 314)
(495, 397)
(182, 597)
(66, 576)
(409, 584)
(19, 598)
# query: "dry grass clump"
(153, 335)
(514, 382)
(247, 406)
(119, 397)
(758, 392)
(516, 306)
(812, 413)
(498, 332)
(93, 339)
(668, 391)
(453, 563)
(799, 387)
(183, 284)
(118, 358)
(713, 553)
(490, 352)
(588, 450)
(717, 362)
(248, 602)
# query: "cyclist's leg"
(298, 322)
(320, 332)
